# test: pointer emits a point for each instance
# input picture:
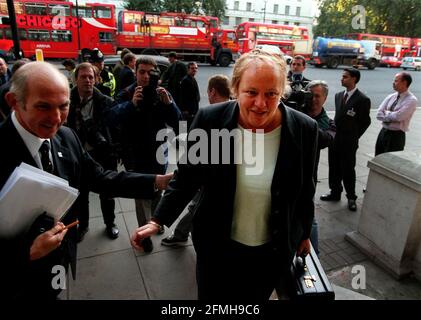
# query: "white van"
(275, 50)
(411, 63)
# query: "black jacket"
(94, 131)
(189, 96)
(292, 208)
(21, 278)
(351, 119)
(139, 127)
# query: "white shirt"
(33, 143)
(252, 201)
(349, 93)
(399, 118)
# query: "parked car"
(162, 62)
(390, 62)
(411, 63)
(275, 50)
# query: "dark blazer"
(139, 127)
(89, 130)
(19, 276)
(189, 96)
(353, 119)
(292, 185)
(126, 78)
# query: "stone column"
(389, 229)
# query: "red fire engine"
(193, 37)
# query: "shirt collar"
(32, 142)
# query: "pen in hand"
(71, 225)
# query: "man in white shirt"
(395, 113)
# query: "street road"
(376, 84)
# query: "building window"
(226, 20)
(275, 8)
(298, 13)
(274, 21)
(236, 5)
(287, 10)
(237, 20)
(296, 23)
(251, 19)
(248, 5)
(286, 23)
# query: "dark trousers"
(390, 141)
(238, 272)
(342, 159)
(107, 204)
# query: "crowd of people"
(255, 224)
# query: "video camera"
(150, 96)
(300, 99)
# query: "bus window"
(21, 32)
(38, 35)
(84, 12)
(59, 9)
(153, 19)
(36, 8)
(200, 24)
(105, 37)
(61, 36)
(167, 21)
(3, 8)
(102, 12)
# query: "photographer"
(143, 110)
(310, 100)
(295, 76)
(314, 109)
(88, 108)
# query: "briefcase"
(309, 280)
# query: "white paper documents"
(28, 193)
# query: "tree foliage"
(390, 17)
(214, 8)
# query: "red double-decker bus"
(54, 27)
(292, 40)
(193, 37)
(391, 45)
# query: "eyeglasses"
(296, 64)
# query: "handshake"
(161, 181)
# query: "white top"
(399, 118)
(252, 203)
(33, 143)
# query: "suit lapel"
(288, 160)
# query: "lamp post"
(78, 33)
(264, 11)
(13, 26)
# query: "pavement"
(112, 270)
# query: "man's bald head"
(39, 72)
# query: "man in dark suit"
(352, 118)
(87, 117)
(189, 94)
(172, 77)
(39, 96)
